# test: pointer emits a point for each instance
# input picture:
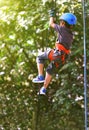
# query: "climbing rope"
(85, 69)
(38, 111)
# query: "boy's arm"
(51, 22)
(52, 15)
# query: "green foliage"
(24, 30)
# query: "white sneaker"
(42, 91)
(39, 79)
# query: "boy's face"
(62, 23)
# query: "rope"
(85, 71)
(38, 110)
(39, 97)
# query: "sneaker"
(38, 79)
(42, 91)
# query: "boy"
(62, 49)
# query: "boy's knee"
(39, 60)
(50, 68)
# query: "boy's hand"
(52, 13)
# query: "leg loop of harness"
(58, 56)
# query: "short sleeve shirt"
(64, 36)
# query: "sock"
(43, 89)
(41, 75)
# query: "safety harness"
(58, 55)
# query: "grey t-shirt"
(64, 36)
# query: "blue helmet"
(69, 18)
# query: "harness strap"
(60, 57)
(61, 47)
(50, 56)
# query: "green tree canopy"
(24, 31)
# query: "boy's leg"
(48, 78)
(40, 68)
(40, 77)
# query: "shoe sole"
(41, 93)
(38, 81)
